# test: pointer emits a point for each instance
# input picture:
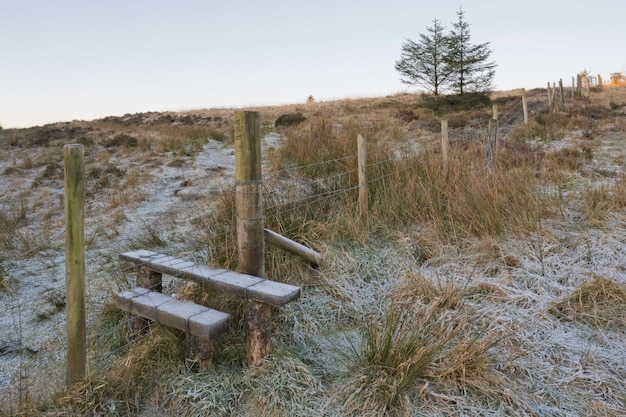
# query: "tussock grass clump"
(410, 347)
(417, 289)
(601, 302)
(132, 380)
(604, 199)
(570, 159)
(12, 218)
(4, 284)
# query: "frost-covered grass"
(467, 293)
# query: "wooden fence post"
(496, 138)
(74, 174)
(492, 138)
(573, 87)
(562, 94)
(525, 106)
(250, 235)
(549, 97)
(444, 143)
(363, 191)
(600, 83)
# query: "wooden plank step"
(186, 316)
(259, 289)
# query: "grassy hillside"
(471, 289)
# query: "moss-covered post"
(250, 235)
(74, 172)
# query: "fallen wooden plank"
(259, 289)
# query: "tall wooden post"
(562, 94)
(600, 83)
(250, 236)
(363, 191)
(74, 173)
(573, 87)
(444, 143)
(525, 106)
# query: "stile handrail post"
(74, 176)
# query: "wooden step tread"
(259, 289)
(189, 317)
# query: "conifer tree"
(423, 63)
(471, 70)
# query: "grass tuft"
(132, 380)
(600, 302)
(411, 346)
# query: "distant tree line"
(439, 63)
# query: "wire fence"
(32, 319)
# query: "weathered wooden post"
(496, 138)
(579, 85)
(74, 173)
(363, 191)
(549, 97)
(444, 143)
(492, 139)
(600, 83)
(250, 236)
(562, 94)
(573, 87)
(525, 106)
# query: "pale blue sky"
(65, 60)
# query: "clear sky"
(64, 60)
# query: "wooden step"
(259, 289)
(189, 317)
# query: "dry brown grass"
(417, 350)
(131, 380)
(473, 340)
(600, 302)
